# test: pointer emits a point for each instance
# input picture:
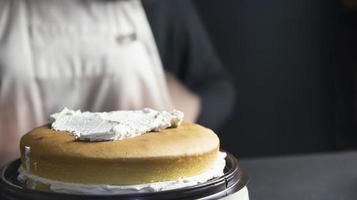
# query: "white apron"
(83, 54)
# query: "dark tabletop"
(331, 176)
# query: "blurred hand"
(183, 98)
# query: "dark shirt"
(187, 52)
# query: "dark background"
(292, 63)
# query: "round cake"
(169, 154)
(159, 156)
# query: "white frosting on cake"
(27, 158)
(73, 188)
(115, 125)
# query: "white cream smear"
(115, 125)
(73, 188)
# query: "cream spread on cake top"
(115, 125)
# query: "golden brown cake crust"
(156, 156)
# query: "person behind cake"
(102, 56)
